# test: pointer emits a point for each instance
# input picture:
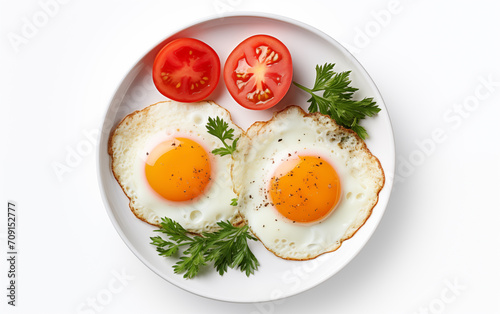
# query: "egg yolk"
(305, 189)
(178, 169)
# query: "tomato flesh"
(186, 70)
(258, 72)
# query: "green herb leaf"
(219, 128)
(226, 248)
(193, 259)
(336, 100)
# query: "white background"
(437, 248)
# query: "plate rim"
(214, 17)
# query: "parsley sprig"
(226, 248)
(337, 101)
(220, 129)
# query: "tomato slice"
(258, 72)
(186, 70)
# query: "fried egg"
(304, 183)
(161, 157)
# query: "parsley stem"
(310, 91)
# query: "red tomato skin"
(281, 70)
(166, 56)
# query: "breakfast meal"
(301, 183)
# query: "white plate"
(276, 278)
